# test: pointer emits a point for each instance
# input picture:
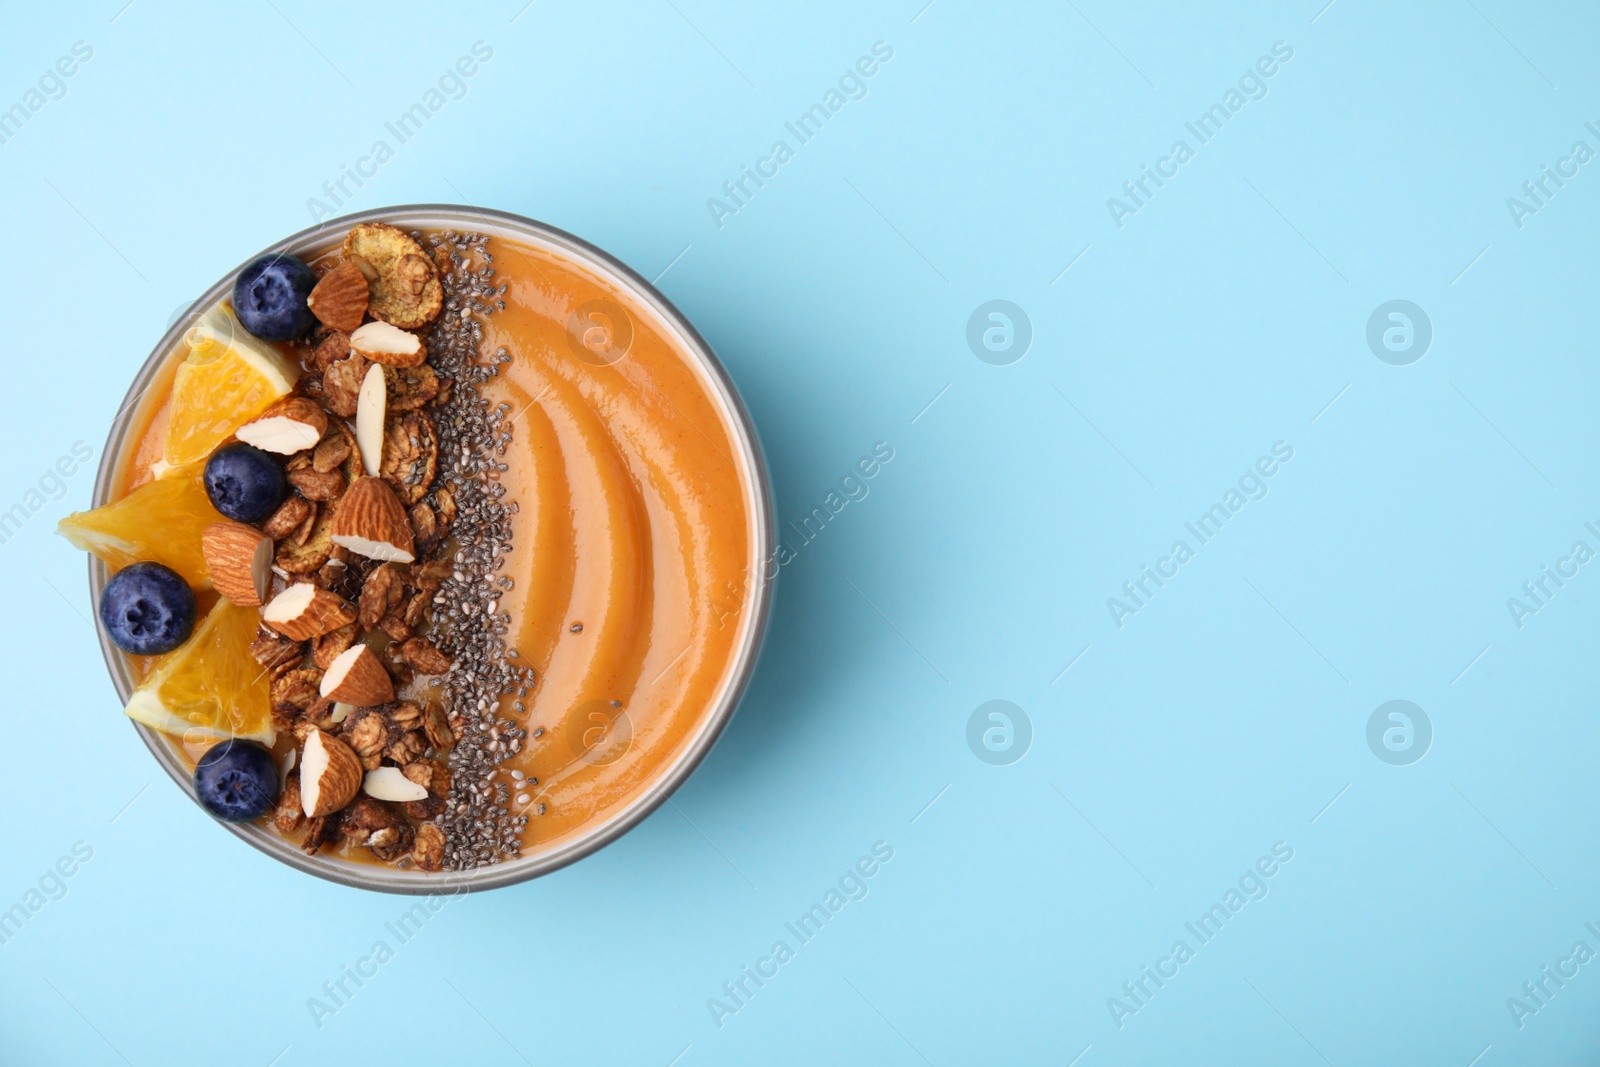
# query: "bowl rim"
(762, 519)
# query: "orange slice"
(228, 379)
(210, 687)
(161, 521)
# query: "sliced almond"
(304, 611)
(371, 408)
(371, 522)
(291, 425)
(390, 783)
(341, 711)
(357, 677)
(389, 345)
(240, 560)
(330, 774)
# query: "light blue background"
(1224, 717)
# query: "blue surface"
(1228, 716)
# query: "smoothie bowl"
(427, 548)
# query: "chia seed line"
(468, 626)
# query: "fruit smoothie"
(430, 551)
(630, 542)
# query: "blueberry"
(245, 483)
(236, 780)
(147, 609)
(269, 297)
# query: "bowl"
(758, 503)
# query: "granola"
(428, 851)
(436, 780)
(309, 551)
(326, 648)
(318, 486)
(367, 732)
(330, 349)
(410, 455)
(403, 281)
(278, 655)
(436, 454)
(381, 595)
(319, 831)
(410, 387)
(296, 690)
(438, 728)
(424, 526)
(288, 518)
(341, 384)
(421, 654)
(331, 453)
(377, 825)
(287, 817)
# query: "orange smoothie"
(631, 540)
(630, 564)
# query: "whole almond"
(370, 521)
(340, 299)
(240, 560)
